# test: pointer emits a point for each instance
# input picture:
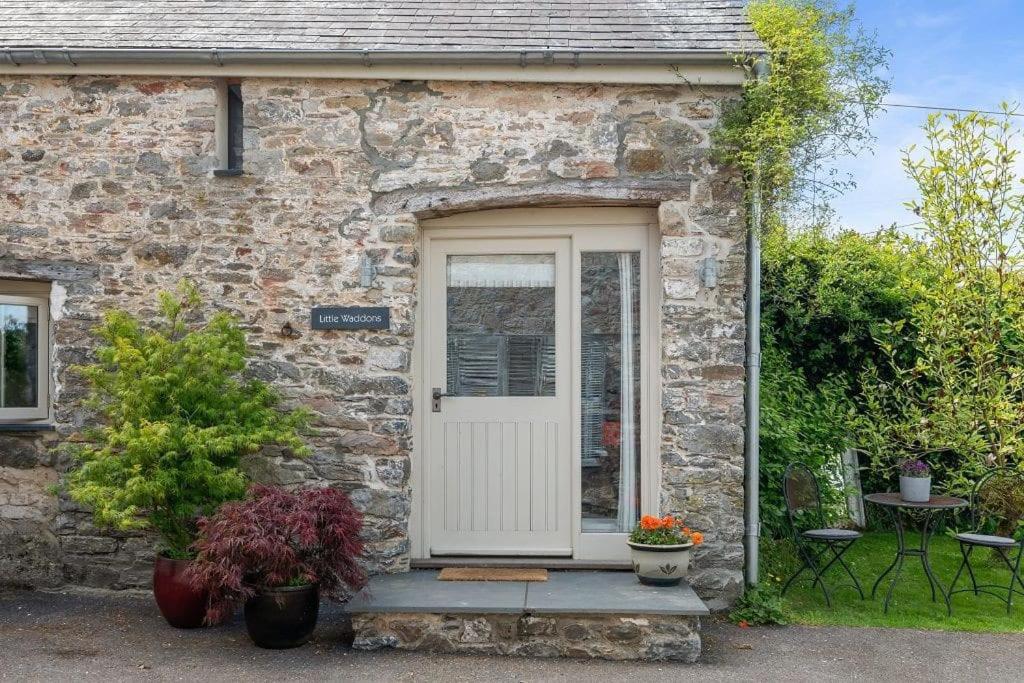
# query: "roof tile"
(374, 25)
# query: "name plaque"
(350, 318)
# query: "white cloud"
(930, 20)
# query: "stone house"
(485, 243)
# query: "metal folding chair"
(814, 541)
(998, 495)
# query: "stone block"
(25, 494)
(591, 636)
(88, 545)
(24, 452)
(30, 554)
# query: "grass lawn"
(911, 605)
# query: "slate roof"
(396, 25)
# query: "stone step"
(602, 614)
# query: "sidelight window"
(610, 390)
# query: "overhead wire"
(963, 110)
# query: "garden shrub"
(799, 423)
(824, 85)
(959, 402)
(175, 415)
(825, 299)
(903, 348)
(279, 538)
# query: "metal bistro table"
(931, 513)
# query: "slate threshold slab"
(565, 592)
(581, 614)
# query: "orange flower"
(650, 523)
(668, 521)
(697, 537)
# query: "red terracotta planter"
(182, 605)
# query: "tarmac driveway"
(115, 637)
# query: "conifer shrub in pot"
(277, 552)
(660, 550)
(174, 416)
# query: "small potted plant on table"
(660, 550)
(915, 481)
(175, 416)
(277, 552)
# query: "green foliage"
(799, 423)
(16, 347)
(759, 605)
(823, 88)
(959, 402)
(177, 416)
(824, 299)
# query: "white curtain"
(627, 422)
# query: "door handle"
(436, 395)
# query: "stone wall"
(642, 637)
(703, 347)
(106, 191)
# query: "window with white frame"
(24, 350)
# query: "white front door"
(500, 428)
(537, 334)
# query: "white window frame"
(11, 293)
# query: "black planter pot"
(279, 618)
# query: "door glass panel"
(610, 390)
(19, 356)
(501, 325)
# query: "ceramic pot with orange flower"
(660, 550)
(660, 565)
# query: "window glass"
(19, 356)
(235, 125)
(501, 325)
(610, 390)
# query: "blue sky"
(947, 53)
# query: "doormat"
(492, 574)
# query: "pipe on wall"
(752, 394)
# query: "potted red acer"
(277, 552)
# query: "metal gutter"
(24, 56)
(752, 392)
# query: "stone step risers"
(592, 614)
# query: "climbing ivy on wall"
(824, 84)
